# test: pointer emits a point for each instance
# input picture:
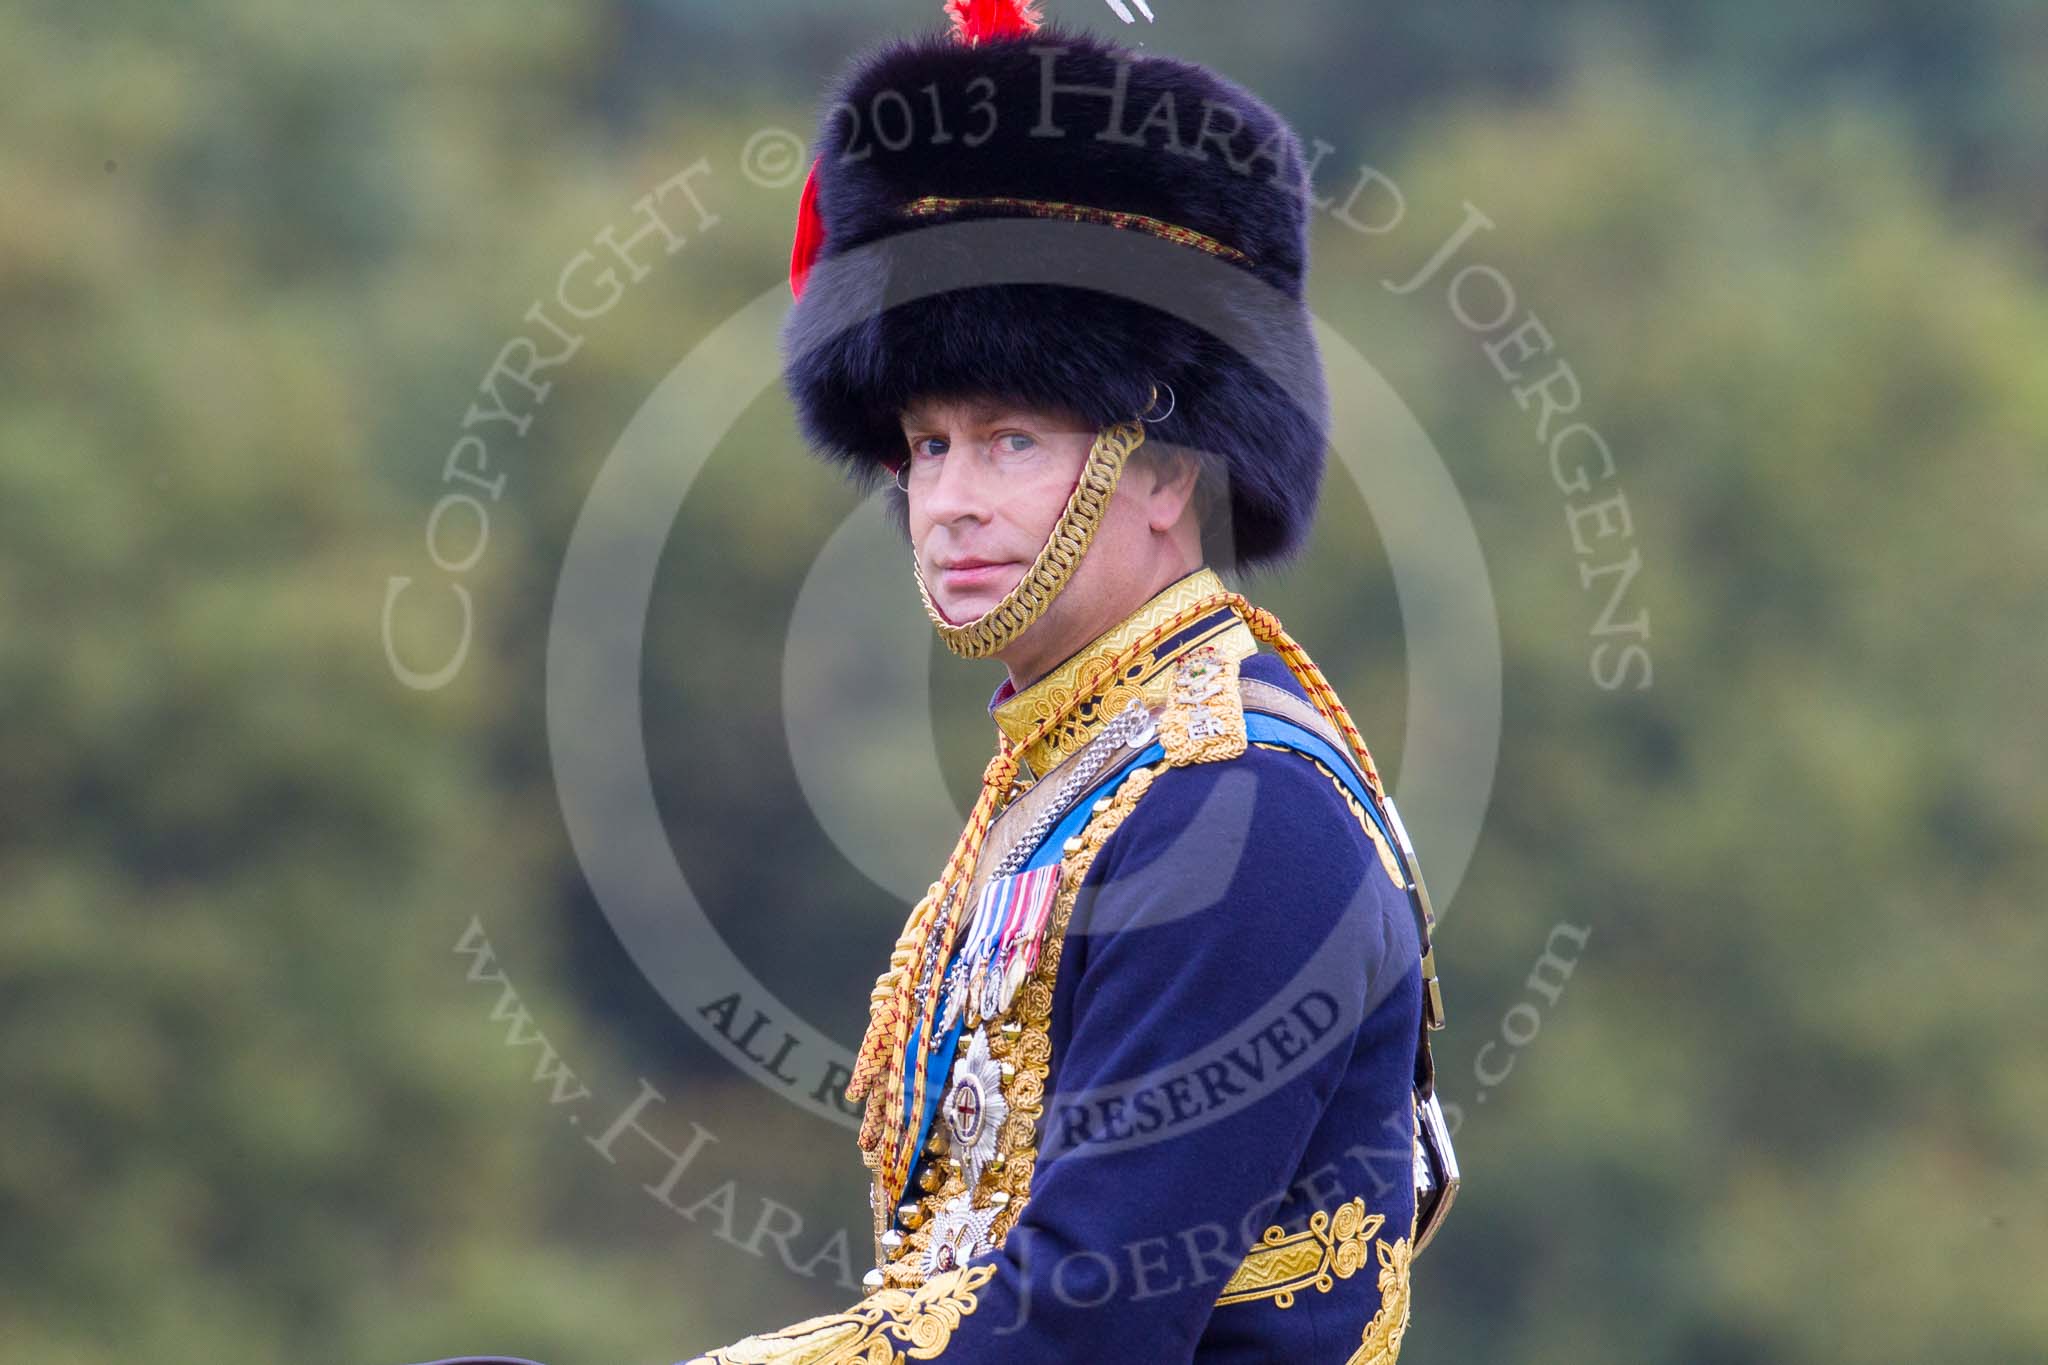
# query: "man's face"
(987, 481)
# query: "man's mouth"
(970, 572)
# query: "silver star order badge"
(959, 1233)
(974, 1106)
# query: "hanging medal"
(1031, 933)
(980, 930)
(1031, 898)
(988, 972)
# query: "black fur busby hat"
(1049, 217)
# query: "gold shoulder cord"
(1002, 623)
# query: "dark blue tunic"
(1234, 1039)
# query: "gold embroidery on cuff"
(1382, 1343)
(888, 1327)
(1331, 1248)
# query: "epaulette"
(1203, 721)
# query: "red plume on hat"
(974, 22)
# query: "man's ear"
(1173, 474)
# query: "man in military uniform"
(1147, 1076)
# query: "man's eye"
(1015, 442)
(922, 446)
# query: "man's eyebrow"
(981, 412)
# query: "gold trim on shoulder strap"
(1204, 718)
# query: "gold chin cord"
(994, 630)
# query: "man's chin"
(963, 604)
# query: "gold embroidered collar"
(1148, 676)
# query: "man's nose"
(962, 487)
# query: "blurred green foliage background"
(254, 259)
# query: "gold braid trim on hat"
(995, 629)
(1012, 206)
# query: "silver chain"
(1132, 725)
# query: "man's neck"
(1038, 658)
